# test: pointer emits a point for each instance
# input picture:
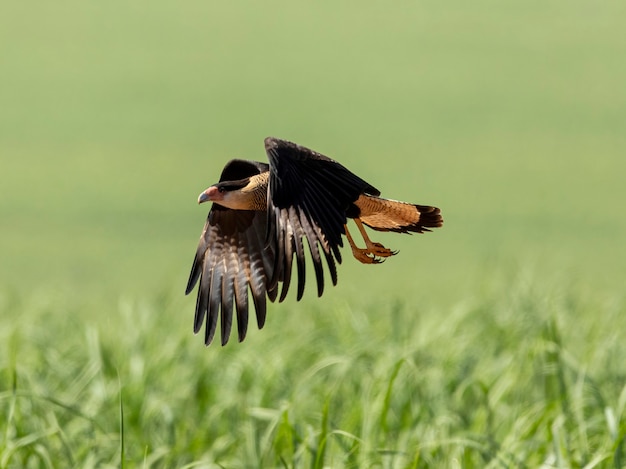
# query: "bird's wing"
(232, 257)
(309, 196)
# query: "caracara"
(261, 214)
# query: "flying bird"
(260, 217)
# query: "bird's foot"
(375, 253)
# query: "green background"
(510, 116)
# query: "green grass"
(534, 376)
(495, 342)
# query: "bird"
(266, 214)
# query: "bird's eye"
(221, 189)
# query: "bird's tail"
(392, 215)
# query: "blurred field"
(496, 340)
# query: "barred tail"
(392, 215)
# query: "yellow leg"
(374, 253)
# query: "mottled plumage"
(261, 215)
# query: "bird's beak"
(203, 197)
(211, 193)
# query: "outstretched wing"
(309, 197)
(232, 258)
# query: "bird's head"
(225, 193)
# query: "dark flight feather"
(322, 190)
